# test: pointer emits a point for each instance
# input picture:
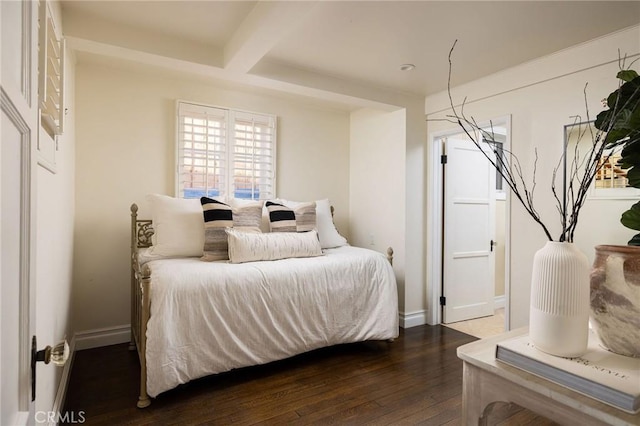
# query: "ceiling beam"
(266, 24)
(351, 100)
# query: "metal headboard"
(141, 230)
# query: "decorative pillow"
(327, 232)
(178, 226)
(218, 216)
(239, 202)
(281, 218)
(248, 215)
(302, 218)
(251, 247)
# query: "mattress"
(211, 317)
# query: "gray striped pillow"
(299, 219)
(218, 216)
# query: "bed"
(191, 318)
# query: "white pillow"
(327, 232)
(251, 247)
(178, 226)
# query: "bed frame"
(141, 233)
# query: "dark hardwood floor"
(415, 380)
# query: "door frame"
(434, 223)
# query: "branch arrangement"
(581, 171)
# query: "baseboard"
(413, 319)
(102, 337)
(61, 393)
(499, 302)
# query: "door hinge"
(443, 159)
(443, 301)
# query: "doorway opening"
(469, 241)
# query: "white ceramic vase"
(559, 315)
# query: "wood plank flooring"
(415, 380)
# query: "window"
(225, 153)
(498, 148)
(50, 72)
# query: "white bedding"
(210, 317)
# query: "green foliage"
(635, 241)
(631, 218)
(627, 75)
(621, 123)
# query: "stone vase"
(559, 313)
(615, 298)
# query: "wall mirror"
(610, 182)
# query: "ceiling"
(352, 47)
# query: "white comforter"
(210, 317)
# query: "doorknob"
(492, 244)
(58, 354)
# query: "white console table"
(486, 380)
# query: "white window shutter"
(202, 151)
(51, 51)
(253, 162)
(225, 153)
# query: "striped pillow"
(218, 216)
(302, 218)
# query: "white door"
(19, 131)
(469, 226)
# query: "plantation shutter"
(202, 151)
(253, 155)
(225, 153)
(50, 73)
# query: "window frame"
(229, 140)
(498, 147)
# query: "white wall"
(388, 197)
(125, 150)
(416, 308)
(377, 185)
(541, 96)
(54, 251)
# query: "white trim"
(435, 236)
(61, 394)
(413, 319)
(26, 288)
(499, 302)
(28, 51)
(46, 157)
(612, 193)
(102, 337)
